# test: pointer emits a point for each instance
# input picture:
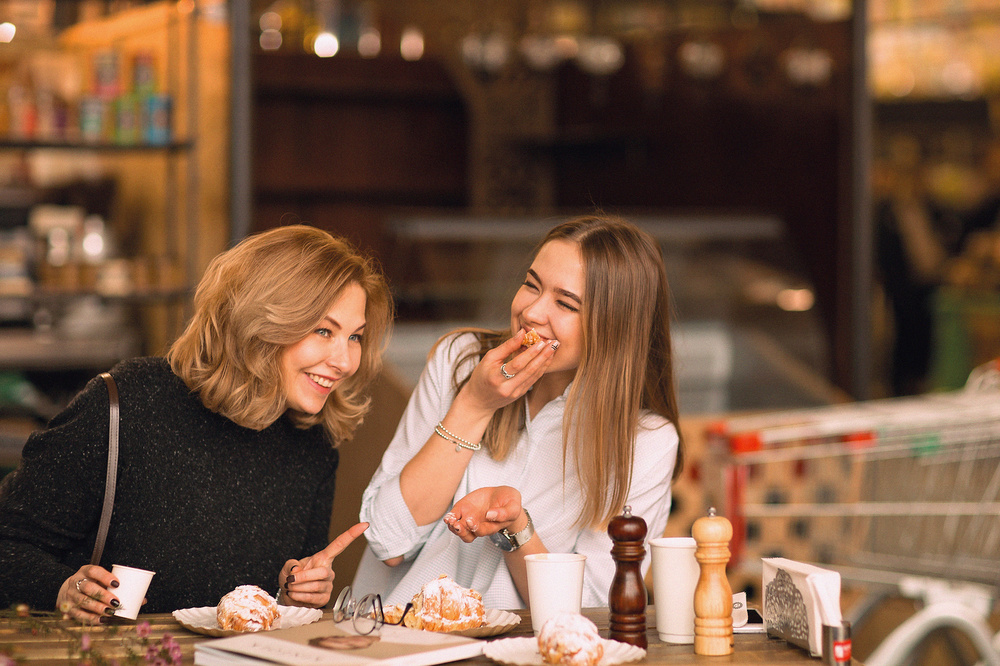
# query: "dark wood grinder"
(627, 597)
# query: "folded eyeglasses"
(366, 613)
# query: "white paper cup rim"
(673, 542)
(555, 557)
(136, 569)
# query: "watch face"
(502, 541)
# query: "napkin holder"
(799, 599)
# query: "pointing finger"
(338, 545)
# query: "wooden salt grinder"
(713, 597)
(627, 597)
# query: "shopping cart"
(899, 493)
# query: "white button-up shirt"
(550, 492)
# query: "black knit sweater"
(203, 502)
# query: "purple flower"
(6, 660)
(84, 642)
(142, 630)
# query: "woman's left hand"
(309, 582)
(484, 512)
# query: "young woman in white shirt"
(571, 428)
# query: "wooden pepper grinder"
(627, 597)
(713, 597)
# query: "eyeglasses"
(365, 613)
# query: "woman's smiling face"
(549, 301)
(313, 367)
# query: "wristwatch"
(508, 541)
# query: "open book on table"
(325, 643)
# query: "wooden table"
(47, 647)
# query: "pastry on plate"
(570, 639)
(247, 608)
(441, 605)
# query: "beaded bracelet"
(459, 443)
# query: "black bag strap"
(112, 477)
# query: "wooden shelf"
(971, 111)
(583, 138)
(401, 196)
(30, 350)
(140, 296)
(303, 77)
(30, 144)
(964, 18)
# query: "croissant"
(247, 608)
(441, 605)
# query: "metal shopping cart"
(900, 493)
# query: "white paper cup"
(555, 584)
(131, 590)
(675, 575)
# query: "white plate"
(203, 620)
(524, 652)
(495, 622)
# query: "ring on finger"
(78, 585)
(506, 375)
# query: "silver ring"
(78, 585)
(503, 371)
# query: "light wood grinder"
(713, 597)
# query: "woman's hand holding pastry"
(496, 382)
(86, 595)
(309, 582)
(486, 511)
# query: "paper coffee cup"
(131, 590)
(555, 584)
(675, 575)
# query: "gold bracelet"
(459, 443)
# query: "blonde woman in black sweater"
(228, 445)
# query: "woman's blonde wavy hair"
(626, 362)
(266, 293)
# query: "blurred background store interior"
(771, 145)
